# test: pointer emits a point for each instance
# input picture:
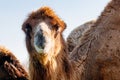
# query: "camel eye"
(28, 28)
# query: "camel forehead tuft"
(43, 12)
(47, 13)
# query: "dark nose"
(40, 39)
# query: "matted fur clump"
(10, 68)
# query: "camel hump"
(74, 37)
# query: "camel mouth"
(39, 42)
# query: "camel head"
(43, 31)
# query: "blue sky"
(14, 12)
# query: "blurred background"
(14, 12)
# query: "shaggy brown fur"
(59, 67)
(100, 46)
(74, 37)
(10, 68)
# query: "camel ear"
(61, 27)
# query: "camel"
(48, 58)
(99, 50)
(10, 68)
(75, 35)
(95, 58)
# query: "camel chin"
(39, 50)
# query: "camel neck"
(55, 69)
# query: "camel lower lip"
(39, 50)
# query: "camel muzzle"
(39, 42)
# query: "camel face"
(43, 30)
(43, 37)
(40, 35)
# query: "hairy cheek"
(49, 45)
(28, 44)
